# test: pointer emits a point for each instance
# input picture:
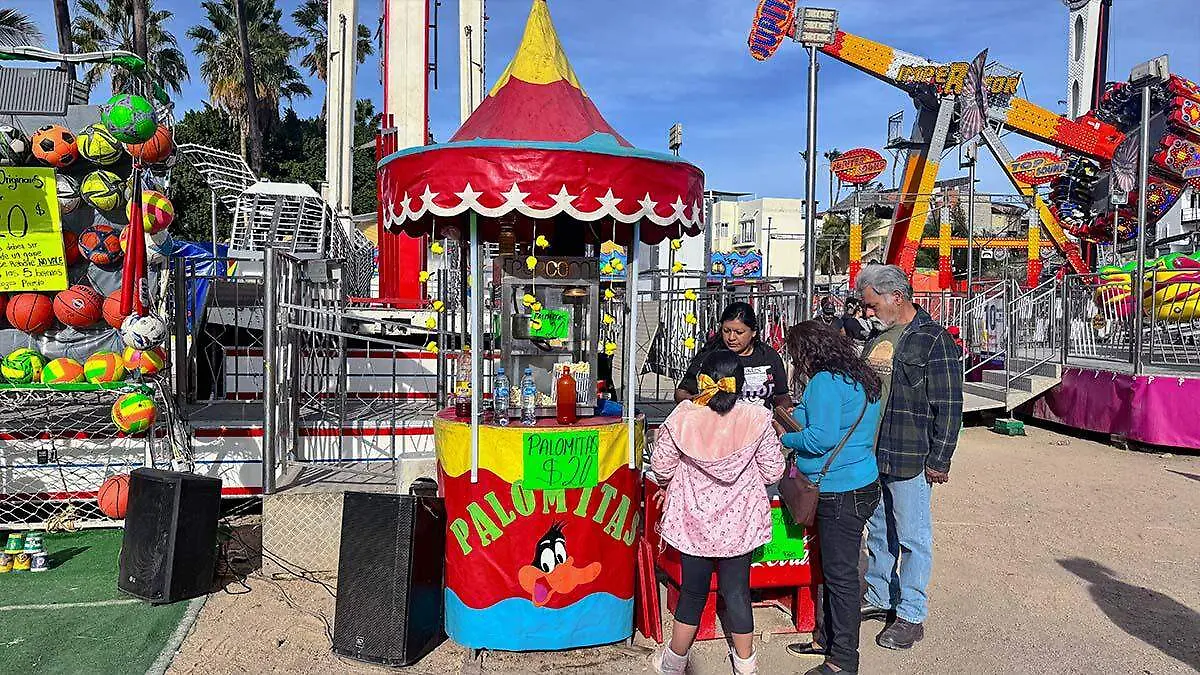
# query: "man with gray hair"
(917, 436)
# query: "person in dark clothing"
(849, 323)
(766, 378)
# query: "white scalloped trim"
(514, 200)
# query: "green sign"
(561, 459)
(787, 540)
(31, 243)
(550, 324)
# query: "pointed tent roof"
(539, 147)
(538, 97)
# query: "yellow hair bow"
(710, 387)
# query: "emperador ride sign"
(31, 244)
(540, 548)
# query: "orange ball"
(158, 148)
(113, 496)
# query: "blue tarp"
(202, 266)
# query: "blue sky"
(648, 64)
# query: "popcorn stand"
(542, 512)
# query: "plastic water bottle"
(528, 398)
(500, 396)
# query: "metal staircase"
(1023, 332)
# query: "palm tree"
(62, 25)
(311, 18)
(271, 47)
(108, 24)
(16, 29)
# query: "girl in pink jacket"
(716, 455)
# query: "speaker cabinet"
(169, 551)
(390, 606)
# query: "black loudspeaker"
(390, 607)
(169, 552)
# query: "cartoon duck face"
(553, 571)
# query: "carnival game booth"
(542, 519)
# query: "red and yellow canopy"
(538, 147)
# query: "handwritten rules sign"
(31, 243)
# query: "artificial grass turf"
(120, 638)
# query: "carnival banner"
(540, 550)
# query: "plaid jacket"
(924, 409)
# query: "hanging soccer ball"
(129, 117)
(23, 366)
(158, 246)
(103, 190)
(68, 193)
(100, 244)
(55, 145)
(157, 211)
(98, 145)
(133, 413)
(14, 146)
(143, 332)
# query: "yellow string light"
(541, 242)
(609, 294)
(690, 343)
(690, 319)
(531, 262)
(609, 319)
(436, 248)
(424, 276)
(689, 294)
(676, 244)
(432, 347)
(431, 323)
(439, 306)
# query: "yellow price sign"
(31, 243)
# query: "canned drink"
(16, 543)
(21, 562)
(33, 542)
(39, 562)
(6, 562)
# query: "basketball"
(129, 117)
(68, 193)
(113, 496)
(30, 312)
(133, 413)
(78, 306)
(104, 367)
(62, 371)
(143, 332)
(112, 310)
(71, 253)
(22, 366)
(97, 145)
(103, 190)
(157, 211)
(146, 362)
(100, 244)
(54, 144)
(156, 149)
(14, 146)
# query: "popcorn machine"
(550, 319)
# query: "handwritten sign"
(787, 540)
(31, 244)
(561, 459)
(550, 324)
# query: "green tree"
(189, 193)
(271, 48)
(311, 17)
(108, 24)
(17, 29)
(833, 246)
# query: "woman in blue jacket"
(840, 401)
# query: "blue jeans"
(900, 548)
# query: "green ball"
(23, 366)
(130, 118)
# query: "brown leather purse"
(799, 494)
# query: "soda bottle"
(565, 390)
(528, 398)
(500, 392)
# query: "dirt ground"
(1053, 555)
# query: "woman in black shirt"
(766, 378)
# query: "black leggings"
(733, 585)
